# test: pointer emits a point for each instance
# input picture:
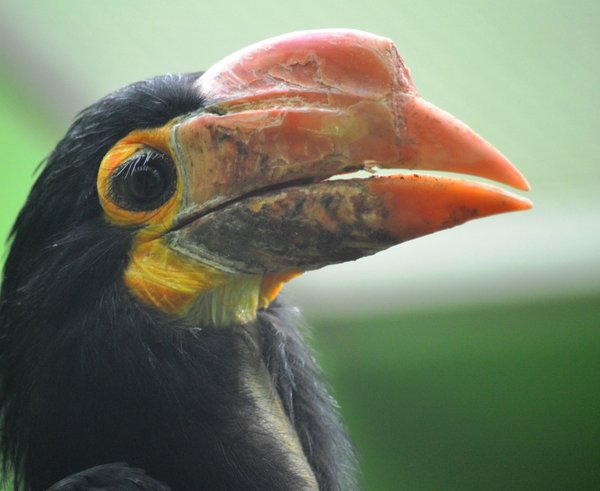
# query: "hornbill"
(139, 316)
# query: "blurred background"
(465, 360)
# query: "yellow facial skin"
(176, 284)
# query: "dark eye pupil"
(143, 182)
(146, 183)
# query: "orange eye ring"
(139, 183)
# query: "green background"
(464, 360)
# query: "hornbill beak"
(287, 115)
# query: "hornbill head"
(166, 222)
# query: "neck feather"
(239, 407)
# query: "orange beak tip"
(439, 141)
(525, 186)
(421, 204)
(526, 204)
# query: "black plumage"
(109, 477)
(90, 376)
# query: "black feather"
(110, 477)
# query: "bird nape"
(139, 318)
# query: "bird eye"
(143, 182)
